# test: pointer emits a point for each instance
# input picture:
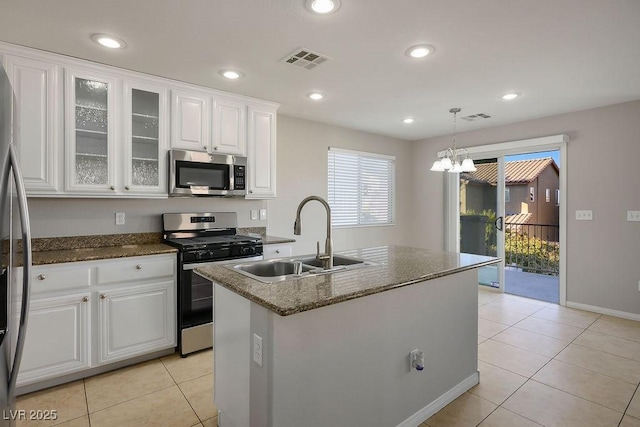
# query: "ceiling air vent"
(305, 58)
(475, 117)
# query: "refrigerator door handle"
(26, 263)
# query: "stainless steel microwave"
(196, 173)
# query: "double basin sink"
(277, 270)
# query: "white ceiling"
(562, 56)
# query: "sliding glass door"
(481, 216)
(514, 207)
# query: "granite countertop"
(396, 266)
(90, 254)
(56, 250)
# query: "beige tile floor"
(545, 365)
(169, 391)
(540, 365)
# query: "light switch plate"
(584, 215)
(633, 216)
(263, 214)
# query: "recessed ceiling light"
(420, 51)
(322, 7)
(408, 120)
(510, 96)
(231, 74)
(108, 41)
(316, 96)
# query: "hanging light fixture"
(449, 160)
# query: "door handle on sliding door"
(499, 223)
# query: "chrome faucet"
(327, 257)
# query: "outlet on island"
(119, 218)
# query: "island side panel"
(348, 364)
(232, 357)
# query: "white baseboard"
(602, 310)
(425, 413)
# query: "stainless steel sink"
(277, 270)
(270, 271)
(338, 260)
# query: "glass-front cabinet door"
(90, 132)
(145, 144)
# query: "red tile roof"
(516, 172)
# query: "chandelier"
(449, 160)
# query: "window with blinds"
(360, 188)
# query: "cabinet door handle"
(126, 187)
(139, 267)
(85, 299)
(113, 187)
(42, 276)
(205, 147)
(251, 191)
(277, 251)
(215, 148)
(103, 296)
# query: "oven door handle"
(191, 266)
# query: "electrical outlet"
(119, 218)
(257, 349)
(633, 216)
(254, 214)
(584, 215)
(263, 214)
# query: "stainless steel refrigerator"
(14, 230)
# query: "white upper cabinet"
(38, 126)
(145, 142)
(86, 129)
(229, 127)
(261, 152)
(190, 120)
(90, 107)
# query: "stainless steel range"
(203, 239)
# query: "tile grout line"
(190, 405)
(530, 378)
(128, 400)
(629, 404)
(563, 391)
(522, 385)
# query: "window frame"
(391, 210)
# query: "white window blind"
(360, 188)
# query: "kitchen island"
(333, 349)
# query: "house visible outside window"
(532, 194)
(557, 197)
(547, 195)
(360, 188)
(507, 195)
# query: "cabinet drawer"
(277, 251)
(55, 278)
(135, 269)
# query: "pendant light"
(449, 161)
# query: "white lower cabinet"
(58, 338)
(87, 314)
(136, 320)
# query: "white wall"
(603, 154)
(302, 172)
